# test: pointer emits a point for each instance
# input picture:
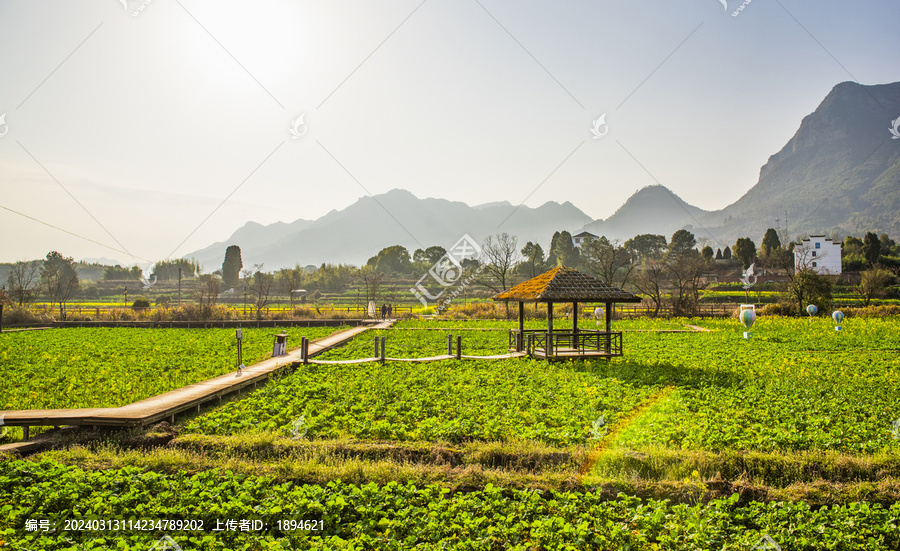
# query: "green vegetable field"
(396, 516)
(694, 440)
(110, 367)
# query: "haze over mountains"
(840, 173)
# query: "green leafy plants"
(110, 367)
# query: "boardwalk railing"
(581, 341)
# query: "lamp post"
(126, 296)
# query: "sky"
(139, 130)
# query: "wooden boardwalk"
(166, 406)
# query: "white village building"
(818, 253)
(578, 239)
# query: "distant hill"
(354, 234)
(840, 172)
(653, 209)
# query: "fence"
(704, 311)
(239, 311)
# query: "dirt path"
(620, 427)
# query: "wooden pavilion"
(563, 284)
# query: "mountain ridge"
(839, 173)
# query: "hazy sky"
(163, 127)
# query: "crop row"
(397, 516)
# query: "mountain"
(355, 233)
(653, 209)
(840, 173)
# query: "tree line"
(665, 271)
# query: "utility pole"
(179, 287)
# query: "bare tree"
(207, 293)
(499, 256)
(685, 273)
(648, 282)
(609, 261)
(290, 279)
(372, 281)
(24, 278)
(260, 284)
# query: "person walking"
(383, 311)
(390, 311)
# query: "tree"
(61, 279)
(290, 280)
(871, 248)
(806, 286)
(260, 284)
(393, 259)
(646, 247)
(562, 250)
(372, 281)
(726, 254)
(331, 278)
(118, 273)
(431, 255)
(685, 272)
(707, 254)
(609, 262)
(888, 245)
(718, 254)
(745, 251)
(24, 278)
(534, 263)
(770, 242)
(684, 266)
(681, 244)
(873, 283)
(648, 282)
(208, 293)
(231, 267)
(167, 270)
(500, 255)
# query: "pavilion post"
(548, 347)
(608, 326)
(521, 337)
(575, 326)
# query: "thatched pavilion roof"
(563, 284)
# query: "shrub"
(872, 311)
(779, 309)
(16, 315)
(140, 303)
